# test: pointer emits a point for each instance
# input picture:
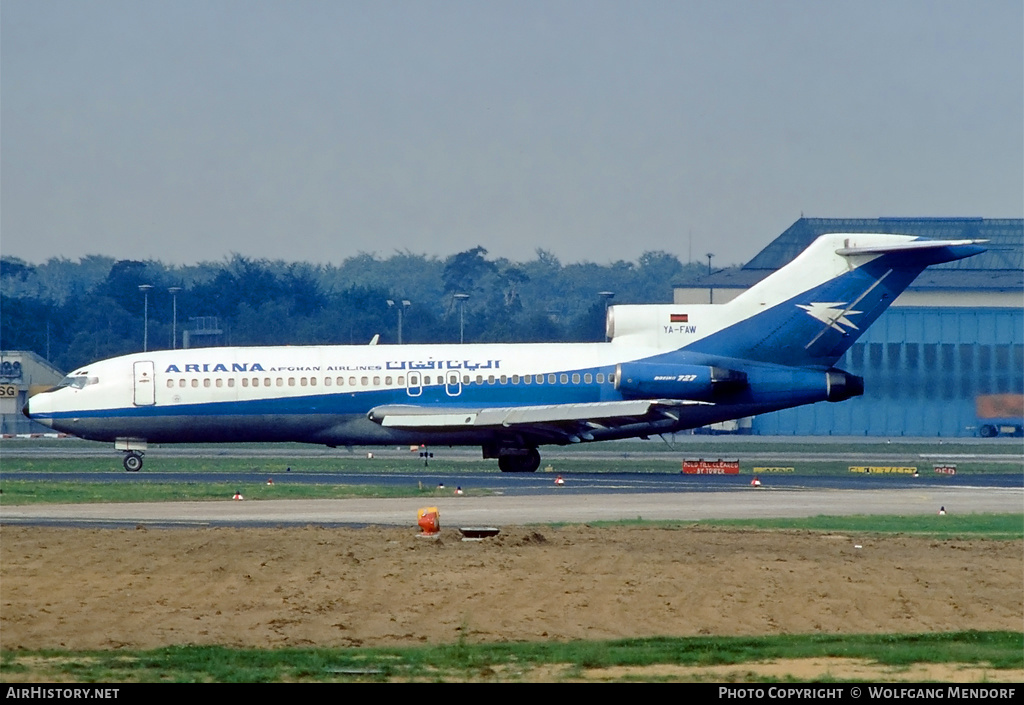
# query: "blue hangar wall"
(923, 368)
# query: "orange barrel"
(428, 519)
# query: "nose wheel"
(133, 461)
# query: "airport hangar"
(944, 360)
(22, 374)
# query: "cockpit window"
(78, 381)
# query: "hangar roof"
(1000, 267)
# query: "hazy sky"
(185, 130)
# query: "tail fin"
(812, 310)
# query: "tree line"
(75, 312)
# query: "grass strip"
(22, 492)
(1001, 527)
(501, 662)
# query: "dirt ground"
(109, 589)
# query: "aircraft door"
(145, 383)
(414, 386)
(452, 384)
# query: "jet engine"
(698, 382)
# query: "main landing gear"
(513, 458)
(133, 461)
(518, 460)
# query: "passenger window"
(312, 381)
(575, 377)
(220, 382)
(280, 381)
(365, 381)
(245, 381)
(564, 378)
(388, 381)
(291, 381)
(600, 377)
(376, 381)
(341, 381)
(303, 381)
(351, 381)
(327, 381)
(231, 382)
(181, 382)
(195, 383)
(588, 378)
(170, 384)
(551, 379)
(206, 382)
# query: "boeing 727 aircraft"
(666, 367)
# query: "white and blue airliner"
(665, 368)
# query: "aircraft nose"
(27, 410)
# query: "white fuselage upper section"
(208, 375)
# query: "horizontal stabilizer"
(957, 249)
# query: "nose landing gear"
(133, 461)
(133, 448)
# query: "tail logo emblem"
(833, 314)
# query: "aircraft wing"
(569, 423)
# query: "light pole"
(174, 316)
(709, 256)
(461, 298)
(405, 304)
(144, 288)
(607, 296)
